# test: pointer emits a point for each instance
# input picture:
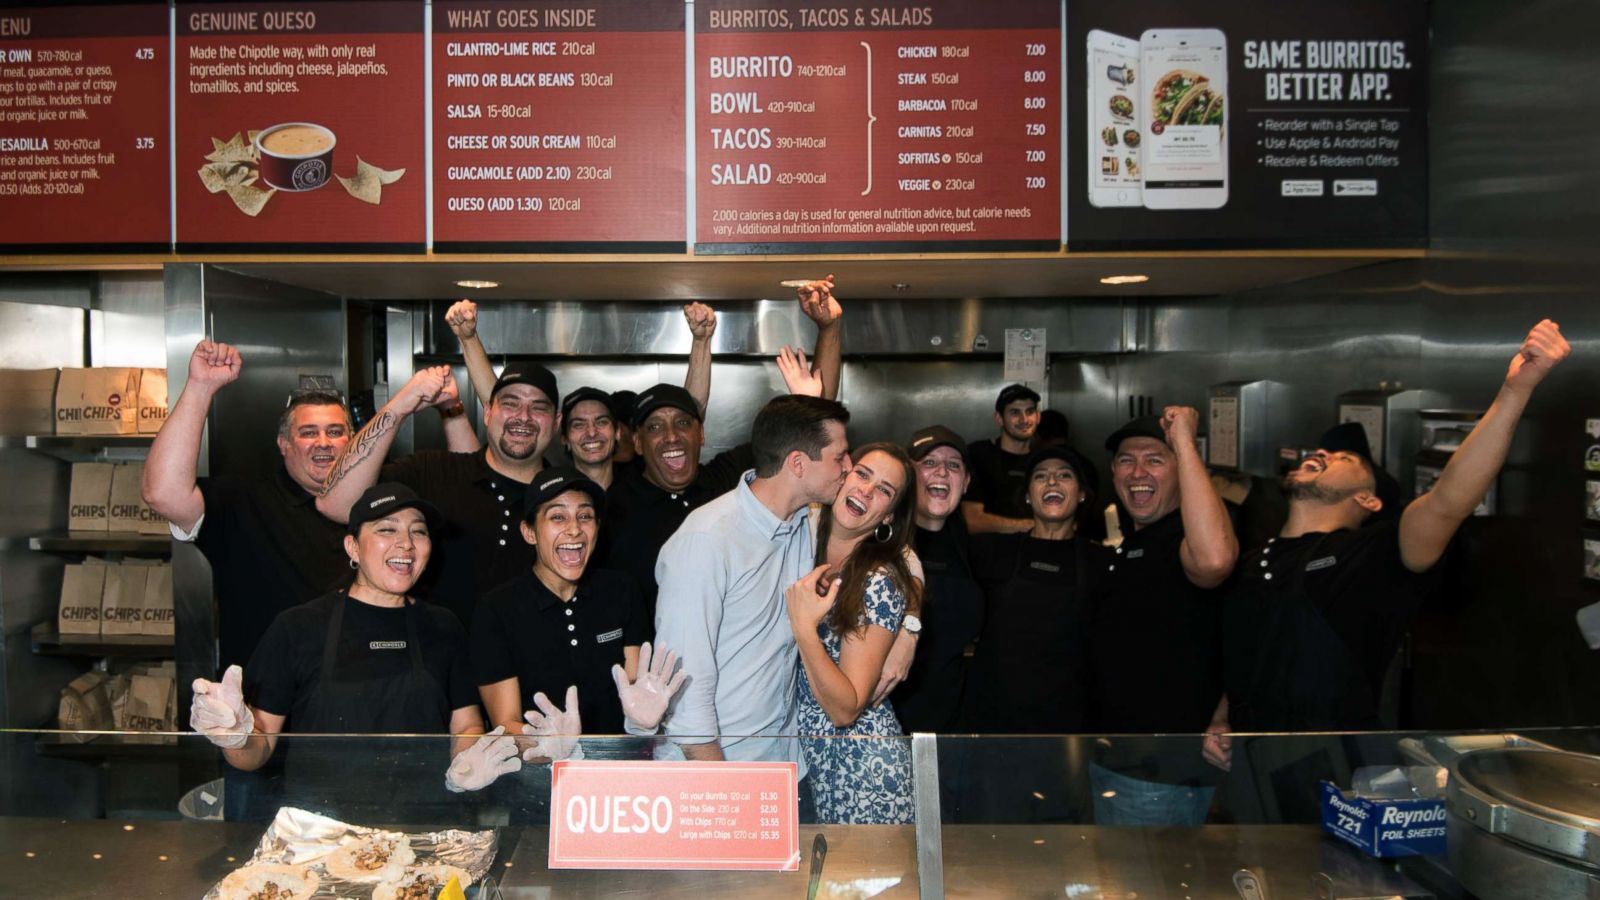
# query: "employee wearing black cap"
(625, 457)
(1155, 656)
(995, 500)
(1317, 614)
(480, 494)
(366, 659)
(929, 699)
(566, 622)
(646, 507)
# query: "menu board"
(558, 126)
(83, 128)
(1218, 126)
(300, 126)
(876, 129)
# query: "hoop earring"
(354, 565)
(879, 536)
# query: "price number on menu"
(144, 143)
(1034, 156)
(1034, 76)
(145, 53)
(769, 795)
(1033, 102)
(1034, 129)
(1035, 49)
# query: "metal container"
(1525, 823)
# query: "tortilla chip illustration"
(236, 149)
(249, 198)
(219, 176)
(367, 184)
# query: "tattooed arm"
(357, 468)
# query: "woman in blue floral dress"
(844, 634)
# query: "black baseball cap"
(528, 373)
(622, 403)
(664, 395)
(553, 482)
(926, 439)
(1088, 476)
(389, 497)
(1012, 393)
(587, 393)
(1351, 437)
(1144, 426)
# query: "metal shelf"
(47, 641)
(72, 441)
(101, 541)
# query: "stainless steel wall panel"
(125, 322)
(39, 336)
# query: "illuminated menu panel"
(83, 128)
(558, 126)
(838, 129)
(300, 126)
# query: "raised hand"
(1542, 350)
(1181, 424)
(214, 364)
(818, 303)
(799, 376)
(556, 730)
(432, 386)
(462, 317)
(218, 710)
(702, 320)
(645, 700)
(476, 767)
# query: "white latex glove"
(556, 730)
(218, 710)
(645, 701)
(476, 767)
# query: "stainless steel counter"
(58, 859)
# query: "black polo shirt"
(1354, 579)
(283, 673)
(640, 516)
(524, 631)
(480, 546)
(269, 550)
(1155, 659)
(998, 479)
(952, 617)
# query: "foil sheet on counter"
(300, 838)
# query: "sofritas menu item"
(558, 128)
(932, 127)
(83, 128)
(300, 123)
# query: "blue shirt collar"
(766, 524)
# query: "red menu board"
(877, 129)
(83, 129)
(300, 126)
(558, 126)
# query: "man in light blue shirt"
(722, 578)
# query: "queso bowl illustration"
(296, 156)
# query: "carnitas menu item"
(300, 126)
(833, 129)
(558, 126)
(83, 128)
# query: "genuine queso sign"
(674, 815)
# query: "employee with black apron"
(367, 659)
(1318, 612)
(1028, 671)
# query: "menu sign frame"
(84, 125)
(932, 128)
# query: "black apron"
(1028, 671)
(952, 613)
(1303, 676)
(371, 781)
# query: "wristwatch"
(450, 412)
(912, 624)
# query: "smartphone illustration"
(1185, 116)
(1115, 128)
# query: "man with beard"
(646, 506)
(1155, 640)
(994, 502)
(1317, 613)
(479, 494)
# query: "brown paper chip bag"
(152, 400)
(127, 511)
(81, 588)
(122, 609)
(148, 700)
(85, 706)
(27, 401)
(97, 401)
(89, 501)
(158, 615)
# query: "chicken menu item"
(300, 126)
(876, 129)
(558, 128)
(83, 128)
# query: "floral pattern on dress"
(859, 781)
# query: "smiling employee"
(563, 623)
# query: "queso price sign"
(675, 815)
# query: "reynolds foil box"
(1384, 828)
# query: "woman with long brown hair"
(845, 616)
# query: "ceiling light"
(472, 283)
(1125, 279)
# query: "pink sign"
(675, 815)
